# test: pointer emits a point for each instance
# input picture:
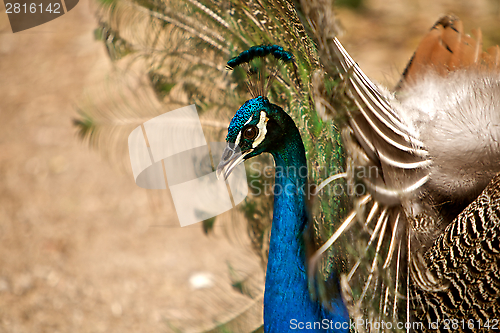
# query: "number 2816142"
(33, 8)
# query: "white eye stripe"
(237, 142)
(262, 126)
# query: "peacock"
(166, 44)
(260, 126)
(404, 249)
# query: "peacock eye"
(250, 132)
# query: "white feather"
(457, 117)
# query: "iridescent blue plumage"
(260, 126)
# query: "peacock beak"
(231, 158)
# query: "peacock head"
(258, 126)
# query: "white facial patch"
(237, 142)
(262, 126)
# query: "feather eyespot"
(250, 132)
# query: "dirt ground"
(82, 248)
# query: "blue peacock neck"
(287, 302)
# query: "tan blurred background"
(82, 249)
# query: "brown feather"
(446, 48)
